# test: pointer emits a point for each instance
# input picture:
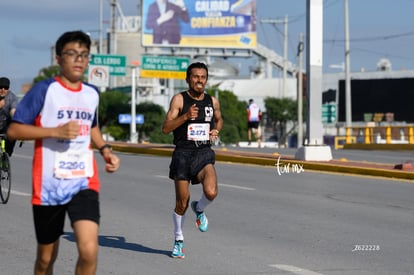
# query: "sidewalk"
(258, 157)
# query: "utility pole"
(285, 47)
(113, 19)
(300, 92)
(348, 107)
(285, 53)
(112, 41)
(100, 25)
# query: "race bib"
(198, 131)
(73, 164)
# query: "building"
(378, 92)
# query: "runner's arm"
(22, 131)
(217, 115)
(172, 119)
(112, 162)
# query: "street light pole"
(133, 125)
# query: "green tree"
(46, 73)
(150, 130)
(111, 104)
(278, 112)
(234, 115)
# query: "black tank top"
(197, 126)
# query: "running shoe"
(201, 219)
(178, 250)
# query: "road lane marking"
(161, 176)
(22, 156)
(237, 187)
(294, 269)
(220, 184)
(18, 193)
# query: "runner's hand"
(69, 130)
(192, 112)
(112, 162)
(214, 136)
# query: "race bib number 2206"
(73, 164)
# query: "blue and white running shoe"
(201, 219)
(178, 250)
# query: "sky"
(378, 29)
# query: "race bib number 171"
(198, 131)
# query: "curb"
(379, 146)
(272, 160)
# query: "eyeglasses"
(4, 87)
(75, 55)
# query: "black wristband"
(103, 148)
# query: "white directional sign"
(98, 75)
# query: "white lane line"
(20, 193)
(237, 187)
(220, 184)
(22, 156)
(294, 269)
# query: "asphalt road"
(301, 222)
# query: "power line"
(358, 49)
(374, 38)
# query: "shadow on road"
(119, 242)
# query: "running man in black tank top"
(195, 119)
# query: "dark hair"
(198, 65)
(4, 82)
(72, 36)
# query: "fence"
(376, 135)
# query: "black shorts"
(49, 221)
(253, 124)
(186, 163)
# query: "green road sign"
(116, 63)
(329, 113)
(164, 67)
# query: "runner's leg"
(86, 233)
(208, 178)
(45, 258)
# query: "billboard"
(199, 23)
